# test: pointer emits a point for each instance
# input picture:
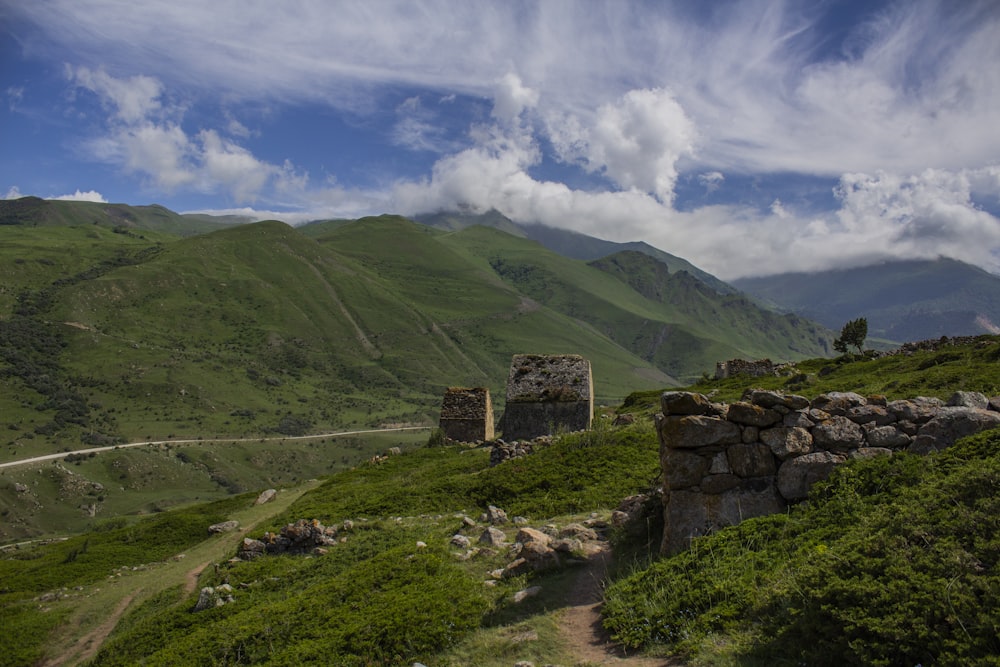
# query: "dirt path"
(581, 620)
(191, 579)
(86, 647)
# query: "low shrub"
(893, 561)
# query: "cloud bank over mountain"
(747, 137)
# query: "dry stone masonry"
(723, 463)
(546, 393)
(467, 414)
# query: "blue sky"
(747, 137)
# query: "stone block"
(754, 460)
(797, 475)
(684, 403)
(695, 431)
(838, 433)
(785, 442)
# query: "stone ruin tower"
(546, 393)
(467, 414)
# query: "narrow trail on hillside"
(581, 620)
(191, 578)
(86, 647)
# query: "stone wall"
(734, 367)
(547, 393)
(725, 463)
(467, 414)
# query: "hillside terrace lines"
(97, 450)
(370, 347)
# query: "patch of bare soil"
(581, 620)
(191, 579)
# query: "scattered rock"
(210, 597)
(224, 527)
(523, 595)
(493, 537)
(265, 497)
(495, 515)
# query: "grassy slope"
(35, 212)
(684, 328)
(825, 584)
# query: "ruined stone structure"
(467, 414)
(725, 463)
(546, 393)
(734, 367)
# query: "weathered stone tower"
(546, 393)
(467, 414)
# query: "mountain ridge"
(905, 300)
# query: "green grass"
(893, 561)
(940, 373)
(152, 479)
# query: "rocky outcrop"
(725, 463)
(212, 597)
(302, 537)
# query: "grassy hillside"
(112, 333)
(892, 561)
(903, 301)
(35, 212)
(669, 319)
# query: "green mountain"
(35, 212)
(108, 333)
(568, 243)
(902, 301)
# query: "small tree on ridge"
(852, 335)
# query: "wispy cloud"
(898, 112)
(145, 136)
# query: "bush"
(893, 561)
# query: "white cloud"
(145, 136)
(13, 192)
(133, 99)
(711, 181)
(903, 113)
(227, 165)
(512, 97)
(89, 195)
(15, 94)
(416, 129)
(635, 141)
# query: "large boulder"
(889, 437)
(749, 414)
(839, 434)
(949, 425)
(797, 475)
(773, 399)
(969, 399)
(916, 410)
(684, 403)
(785, 442)
(210, 598)
(695, 431)
(838, 402)
(753, 460)
(682, 468)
